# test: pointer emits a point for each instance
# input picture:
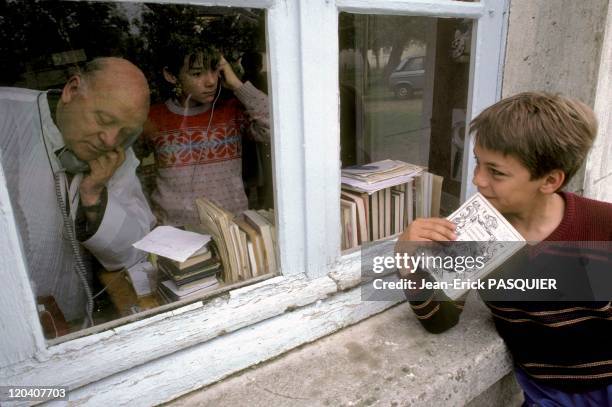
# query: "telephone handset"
(73, 165)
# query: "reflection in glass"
(403, 89)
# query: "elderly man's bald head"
(117, 73)
(103, 106)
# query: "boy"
(196, 134)
(527, 147)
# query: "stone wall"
(555, 46)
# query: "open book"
(232, 249)
(246, 243)
(493, 238)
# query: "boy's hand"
(229, 76)
(424, 230)
(429, 229)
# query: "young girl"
(196, 135)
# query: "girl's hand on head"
(230, 79)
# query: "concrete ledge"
(388, 359)
(506, 393)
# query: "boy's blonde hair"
(544, 131)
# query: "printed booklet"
(494, 241)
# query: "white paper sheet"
(171, 242)
(140, 276)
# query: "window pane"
(403, 89)
(70, 155)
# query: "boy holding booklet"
(527, 147)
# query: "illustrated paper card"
(492, 240)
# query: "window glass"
(404, 91)
(413, 64)
(91, 168)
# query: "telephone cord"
(80, 268)
(197, 163)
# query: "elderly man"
(71, 177)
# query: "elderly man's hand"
(101, 170)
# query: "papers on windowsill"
(171, 242)
(381, 171)
(361, 186)
(379, 175)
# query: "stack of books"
(261, 239)
(246, 243)
(379, 199)
(190, 278)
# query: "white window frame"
(302, 38)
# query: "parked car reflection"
(408, 77)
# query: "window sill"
(168, 332)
